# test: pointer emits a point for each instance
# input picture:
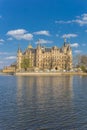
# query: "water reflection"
(41, 98)
(45, 88)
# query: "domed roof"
(30, 46)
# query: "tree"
(83, 68)
(80, 60)
(26, 63)
(76, 60)
(83, 60)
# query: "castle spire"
(64, 39)
(38, 42)
(30, 46)
(19, 50)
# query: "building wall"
(8, 69)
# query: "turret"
(64, 48)
(30, 46)
(69, 50)
(69, 54)
(19, 59)
(38, 54)
(39, 44)
(65, 41)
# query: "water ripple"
(43, 103)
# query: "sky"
(25, 22)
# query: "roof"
(30, 46)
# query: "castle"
(42, 58)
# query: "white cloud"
(27, 36)
(20, 34)
(74, 45)
(1, 40)
(69, 35)
(16, 32)
(5, 53)
(44, 32)
(42, 41)
(2, 53)
(78, 51)
(10, 39)
(81, 20)
(10, 58)
(63, 22)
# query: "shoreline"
(49, 73)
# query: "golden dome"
(30, 46)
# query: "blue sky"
(25, 21)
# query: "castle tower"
(38, 54)
(69, 56)
(65, 45)
(30, 46)
(19, 59)
(65, 40)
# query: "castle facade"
(45, 58)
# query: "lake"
(43, 103)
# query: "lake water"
(43, 103)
